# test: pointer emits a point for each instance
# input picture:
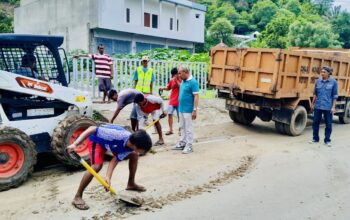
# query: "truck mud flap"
(234, 105)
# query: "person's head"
(140, 141)
(140, 99)
(145, 61)
(174, 73)
(29, 60)
(326, 71)
(101, 49)
(113, 94)
(184, 72)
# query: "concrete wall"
(68, 18)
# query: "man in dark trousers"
(324, 101)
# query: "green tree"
(307, 34)
(5, 22)
(276, 33)
(243, 24)
(323, 6)
(262, 13)
(222, 30)
(341, 25)
(293, 6)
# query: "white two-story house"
(123, 26)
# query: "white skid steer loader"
(38, 111)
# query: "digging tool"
(103, 182)
(154, 122)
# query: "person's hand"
(71, 148)
(312, 107)
(108, 181)
(76, 57)
(194, 115)
(161, 89)
(163, 115)
(334, 110)
(111, 121)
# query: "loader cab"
(33, 56)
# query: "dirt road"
(235, 172)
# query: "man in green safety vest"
(144, 77)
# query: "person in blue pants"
(324, 101)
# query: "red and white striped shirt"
(102, 65)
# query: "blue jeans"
(328, 117)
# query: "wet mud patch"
(151, 204)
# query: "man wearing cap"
(325, 97)
(103, 70)
(144, 77)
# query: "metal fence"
(83, 77)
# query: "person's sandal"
(169, 133)
(158, 143)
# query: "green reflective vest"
(144, 80)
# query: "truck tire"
(245, 116)
(280, 127)
(65, 134)
(298, 122)
(345, 119)
(17, 157)
(234, 116)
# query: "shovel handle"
(93, 172)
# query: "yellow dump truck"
(277, 84)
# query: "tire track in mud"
(151, 204)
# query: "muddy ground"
(224, 154)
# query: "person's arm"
(83, 55)
(135, 79)
(196, 101)
(81, 138)
(314, 98)
(195, 92)
(335, 97)
(110, 170)
(112, 68)
(116, 113)
(152, 82)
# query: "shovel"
(103, 182)
(154, 122)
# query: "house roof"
(188, 4)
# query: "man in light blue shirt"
(325, 97)
(188, 104)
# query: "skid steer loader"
(38, 111)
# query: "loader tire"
(280, 127)
(17, 157)
(65, 133)
(345, 119)
(298, 122)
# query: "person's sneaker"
(313, 142)
(187, 150)
(328, 144)
(179, 146)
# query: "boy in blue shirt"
(124, 146)
(188, 104)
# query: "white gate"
(83, 77)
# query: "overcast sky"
(344, 3)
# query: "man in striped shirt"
(103, 70)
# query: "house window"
(171, 23)
(128, 15)
(177, 25)
(147, 20)
(154, 21)
(197, 15)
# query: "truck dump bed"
(277, 73)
